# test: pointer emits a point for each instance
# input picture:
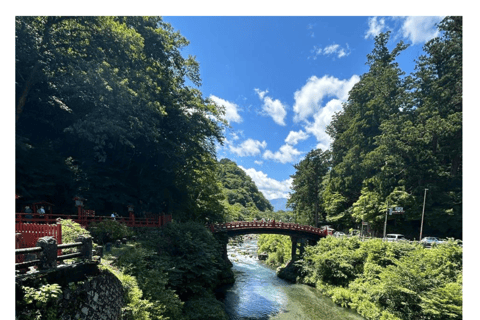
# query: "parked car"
(339, 234)
(428, 241)
(395, 237)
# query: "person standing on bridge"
(29, 211)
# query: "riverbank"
(380, 280)
(259, 294)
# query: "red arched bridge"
(298, 233)
(237, 228)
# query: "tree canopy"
(243, 200)
(103, 110)
(395, 137)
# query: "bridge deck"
(291, 229)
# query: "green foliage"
(104, 109)
(242, 201)
(71, 230)
(149, 273)
(387, 280)
(41, 303)
(278, 248)
(205, 307)
(192, 255)
(114, 229)
(444, 302)
(136, 308)
(307, 187)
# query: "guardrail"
(46, 250)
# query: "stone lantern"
(130, 213)
(79, 204)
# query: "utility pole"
(423, 214)
(385, 226)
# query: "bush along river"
(259, 294)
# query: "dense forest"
(397, 141)
(103, 111)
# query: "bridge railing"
(271, 225)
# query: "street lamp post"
(423, 213)
(385, 225)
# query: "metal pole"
(423, 214)
(385, 226)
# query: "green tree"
(421, 147)
(106, 98)
(243, 199)
(307, 187)
(379, 95)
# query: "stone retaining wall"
(100, 297)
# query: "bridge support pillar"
(294, 248)
(297, 243)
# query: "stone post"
(100, 251)
(48, 256)
(87, 247)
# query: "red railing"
(48, 218)
(31, 232)
(272, 225)
(27, 235)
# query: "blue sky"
(281, 79)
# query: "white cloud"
(258, 162)
(271, 188)
(234, 136)
(334, 49)
(273, 108)
(420, 29)
(260, 93)
(248, 147)
(416, 29)
(309, 98)
(375, 27)
(231, 109)
(286, 154)
(295, 136)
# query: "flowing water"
(259, 294)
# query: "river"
(258, 294)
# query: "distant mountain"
(280, 204)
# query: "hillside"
(242, 198)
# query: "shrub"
(386, 280)
(193, 257)
(136, 308)
(40, 303)
(278, 248)
(205, 307)
(71, 230)
(109, 230)
(152, 279)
